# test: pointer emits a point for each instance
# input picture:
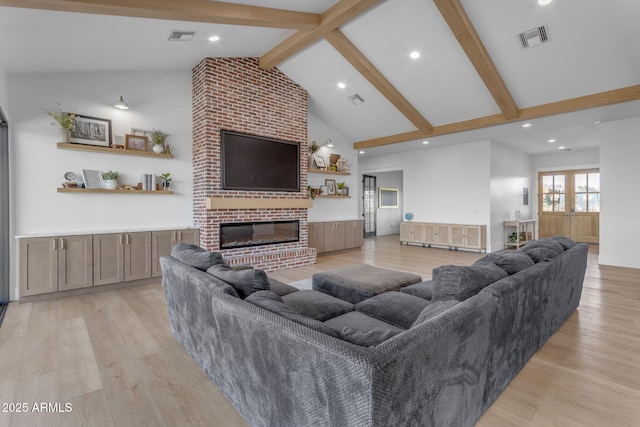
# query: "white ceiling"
(594, 47)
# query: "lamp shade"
(122, 105)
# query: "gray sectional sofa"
(437, 353)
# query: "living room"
(479, 181)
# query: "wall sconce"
(121, 105)
(329, 143)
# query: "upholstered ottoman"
(359, 282)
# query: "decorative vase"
(518, 214)
(158, 148)
(111, 184)
(65, 135)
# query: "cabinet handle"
(120, 239)
(126, 239)
(54, 244)
(62, 244)
(174, 235)
(180, 235)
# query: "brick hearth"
(236, 94)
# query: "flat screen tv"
(258, 163)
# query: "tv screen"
(252, 162)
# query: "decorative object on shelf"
(70, 180)
(331, 186)
(312, 194)
(342, 165)
(166, 181)
(387, 198)
(110, 180)
(65, 120)
(159, 139)
(92, 178)
(323, 190)
(313, 148)
(135, 142)
(121, 104)
(91, 131)
(333, 159)
(167, 149)
(319, 161)
(408, 216)
(342, 189)
(518, 214)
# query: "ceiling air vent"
(181, 36)
(355, 99)
(534, 37)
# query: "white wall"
(566, 160)
(620, 204)
(447, 184)
(333, 209)
(510, 173)
(157, 100)
(388, 219)
(4, 96)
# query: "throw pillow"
(272, 302)
(564, 241)
(196, 257)
(432, 310)
(541, 254)
(543, 243)
(245, 282)
(511, 262)
(366, 339)
(460, 283)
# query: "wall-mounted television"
(258, 163)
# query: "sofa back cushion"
(460, 283)
(543, 243)
(564, 241)
(245, 282)
(540, 254)
(511, 262)
(433, 309)
(196, 257)
(366, 339)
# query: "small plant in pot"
(67, 122)
(110, 180)
(342, 188)
(159, 139)
(166, 181)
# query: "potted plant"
(158, 138)
(67, 122)
(341, 188)
(110, 180)
(166, 181)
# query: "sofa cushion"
(245, 282)
(272, 302)
(543, 243)
(564, 241)
(366, 339)
(511, 262)
(317, 305)
(434, 273)
(422, 290)
(399, 309)
(460, 283)
(280, 288)
(541, 254)
(433, 309)
(361, 322)
(196, 257)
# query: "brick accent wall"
(236, 94)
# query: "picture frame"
(144, 132)
(319, 161)
(331, 186)
(136, 142)
(91, 131)
(92, 178)
(388, 198)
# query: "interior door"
(569, 204)
(369, 205)
(4, 215)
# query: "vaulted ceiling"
(473, 79)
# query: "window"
(587, 192)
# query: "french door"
(4, 213)
(569, 204)
(369, 205)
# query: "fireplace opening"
(245, 234)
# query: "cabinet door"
(349, 241)
(358, 233)
(412, 232)
(476, 236)
(137, 256)
(108, 259)
(444, 234)
(339, 239)
(430, 233)
(316, 236)
(458, 236)
(75, 262)
(405, 232)
(38, 266)
(161, 244)
(189, 236)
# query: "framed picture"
(387, 197)
(91, 131)
(92, 179)
(135, 142)
(331, 186)
(319, 161)
(143, 132)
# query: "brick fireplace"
(236, 94)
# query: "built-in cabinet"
(456, 236)
(61, 263)
(329, 236)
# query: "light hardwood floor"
(112, 357)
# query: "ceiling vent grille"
(181, 36)
(355, 99)
(534, 37)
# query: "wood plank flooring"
(111, 355)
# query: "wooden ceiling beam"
(602, 99)
(461, 26)
(184, 10)
(351, 53)
(333, 18)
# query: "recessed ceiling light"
(425, 142)
(361, 151)
(526, 125)
(598, 122)
(341, 85)
(214, 38)
(551, 141)
(562, 147)
(544, 2)
(415, 54)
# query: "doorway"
(369, 205)
(4, 215)
(569, 204)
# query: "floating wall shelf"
(104, 190)
(108, 150)
(328, 172)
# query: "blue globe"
(408, 216)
